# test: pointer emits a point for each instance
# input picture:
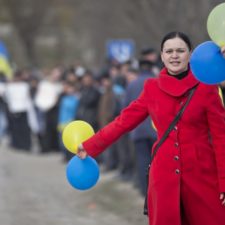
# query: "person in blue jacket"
(67, 112)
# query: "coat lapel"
(175, 87)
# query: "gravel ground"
(34, 191)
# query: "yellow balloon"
(75, 133)
(216, 24)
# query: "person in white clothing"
(18, 99)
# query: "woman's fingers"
(222, 198)
(81, 153)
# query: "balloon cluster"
(207, 62)
(82, 174)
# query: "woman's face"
(175, 55)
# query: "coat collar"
(175, 87)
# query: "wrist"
(81, 147)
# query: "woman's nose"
(174, 54)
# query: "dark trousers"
(120, 155)
(143, 155)
(48, 137)
(19, 131)
(110, 157)
(126, 156)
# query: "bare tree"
(27, 17)
(82, 27)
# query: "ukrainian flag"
(4, 61)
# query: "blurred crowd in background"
(35, 106)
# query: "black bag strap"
(173, 123)
(165, 135)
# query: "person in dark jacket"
(143, 136)
(89, 100)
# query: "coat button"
(176, 144)
(181, 103)
(177, 171)
(176, 157)
(175, 128)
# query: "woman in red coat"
(187, 175)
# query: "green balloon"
(216, 24)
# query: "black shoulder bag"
(165, 135)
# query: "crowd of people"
(37, 105)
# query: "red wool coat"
(188, 172)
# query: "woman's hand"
(222, 198)
(223, 51)
(81, 152)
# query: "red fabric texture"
(188, 172)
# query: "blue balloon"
(207, 63)
(82, 174)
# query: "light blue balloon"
(207, 63)
(82, 174)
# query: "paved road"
(34, 191)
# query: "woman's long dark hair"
(178, 34)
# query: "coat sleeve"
(128, 119)
(216, 121)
